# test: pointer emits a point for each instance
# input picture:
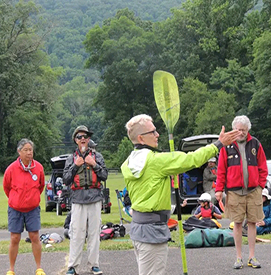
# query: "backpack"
(106, 234)
(127, 200)
(209, 238)
(111, 230)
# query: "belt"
(151, 217)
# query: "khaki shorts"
(249, 206)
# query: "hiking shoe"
(253, 263)
(71, 271)
(238, 264)
(96, 270)
(10, 272)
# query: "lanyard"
(27, 169)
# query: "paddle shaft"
(179, 211)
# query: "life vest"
(207, 213)
(85, 177)
(214, 170)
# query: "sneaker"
(40, 271)
(71, 271)
(96, 270)
(253, 263)
(238, 264)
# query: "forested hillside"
(71, 20)
(65, 63)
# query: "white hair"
(23, 142)
(244, 120)
(135, 125)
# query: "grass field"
(50, 219)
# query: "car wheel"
(107, 210)
(49, 209)
(58, 210)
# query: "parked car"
(196, 175)
(57, 195)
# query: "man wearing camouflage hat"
(84, 171)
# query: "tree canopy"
(65, 63)
(27, 84)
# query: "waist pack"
(209, 238)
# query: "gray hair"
(134, 126)
(23, 142)
(244, 120)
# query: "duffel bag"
(209, 238)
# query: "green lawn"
(50, 219)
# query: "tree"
(125, 49)
(77, 108)
(193, 95)
(124, 149)
(202, 35)
(27, 84)
(235, 80)
(217, 111)
(259, 106)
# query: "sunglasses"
(82, 136)
(154, 132)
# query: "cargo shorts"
(250, 206)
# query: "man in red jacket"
(242, 172)
(23, 183)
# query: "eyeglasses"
(82, 136)
(154, 132)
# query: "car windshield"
(269, 167)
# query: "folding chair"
(125, 205)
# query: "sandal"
(39, 271)
(10, 272)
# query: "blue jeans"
(263, 230)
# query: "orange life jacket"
(214, 172)
(85, 177)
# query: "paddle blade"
(166, 95)
(221, 205)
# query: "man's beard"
(242, 140)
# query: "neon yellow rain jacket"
(146, 175)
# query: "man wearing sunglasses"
(147, 174)
(84, 171)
